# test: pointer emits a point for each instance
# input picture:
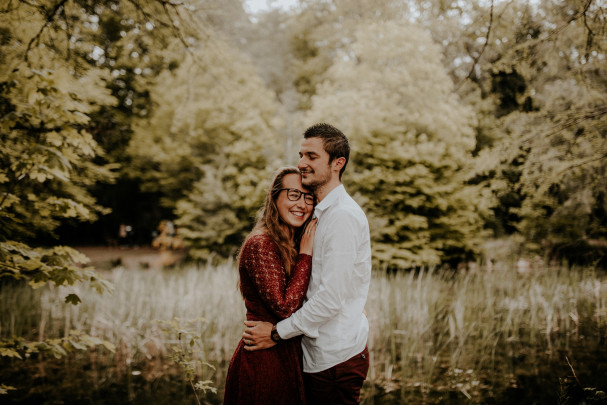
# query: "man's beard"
(315, 184)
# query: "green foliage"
(188, 353)
(67, 65)
(60, 265)
(412, 143)
(220, 210)
(47, 156)
(548, 156)
(4, 389)
(128, 40)
(46, 151)
(210, 147)
(20, 348)
(51, 86)
(160, 99)
(321, 32)
(534, 74)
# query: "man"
(332, 320)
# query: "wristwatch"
(274, 335)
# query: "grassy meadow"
(483, 336)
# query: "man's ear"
(338, 163)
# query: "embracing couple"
(310, 246)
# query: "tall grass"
(433, 331)
(429, 332)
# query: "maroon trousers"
(339, 384)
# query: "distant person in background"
(170, 228)
(166, 237)
(274, 264)
(332, 320)
(130, 236)
(122, 235)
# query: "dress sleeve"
(265, 268)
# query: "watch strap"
(274, 335)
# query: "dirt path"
(106, 258)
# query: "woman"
(273, 281)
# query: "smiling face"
(314, 163)
(293, 213)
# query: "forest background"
(470, 122)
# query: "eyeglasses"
(294, 195)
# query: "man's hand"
(257, 335)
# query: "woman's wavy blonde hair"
(269, 221)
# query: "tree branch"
(8, 8)
(573, 371)
(68, 32)
(165, 5)
(475, 62)
(49, 19)
(585, 162)
(573, 119)
(146, 14)
(590, 35)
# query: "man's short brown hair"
(334, 142)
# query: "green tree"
(533, 73)
(210, 147)
(47, 156)
(53, 83)
(128, 40)
(546, 78)
(412, 142)
(320, 31)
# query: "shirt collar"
(329, 200)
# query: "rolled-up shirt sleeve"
(336, 279)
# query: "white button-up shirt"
(332, 320)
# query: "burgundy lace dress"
(271, 376)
